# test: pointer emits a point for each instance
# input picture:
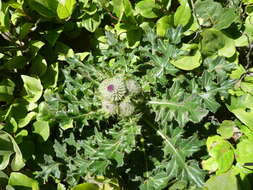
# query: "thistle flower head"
(112, 89)
(126, 108)
(133, 87)
(109, 107)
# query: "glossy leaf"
(19, 180)
(33, 88)
(146, 8)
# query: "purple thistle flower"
(110, 87)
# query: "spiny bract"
(109, 107)
(112, 89)
(126, 108)
(133, 87)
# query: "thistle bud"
(126, 108)
(133, 87)
(112, 89)
(109, 107)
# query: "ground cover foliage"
(123, 94)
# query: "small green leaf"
(33, 88)
(182, 15)
(226, 181)
(17, 62)
(38, 66)
(247, 87)
(188, 62)
(163, 24)
(226, 129)
(65, 8)
(86, 186)
(6, 90)
(242, 107)
(46, 8)
(91, 23)
(50, 78)
(19, 180)
(35, 46)
(42, 128)
(244, 152)
(146, 8)
(8, 147)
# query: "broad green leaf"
(86, 186)
(52, 35)
(33, 88)
(248, 25)
(46, 8)
(229, 47)
(118, 8)
(129, 12)
(35, 46)
(22, 122)
(41, 128)
(65, 8)
(91, 23)
(25, 29)
(50, 78)
(17, 62)
(226, 181)
(19, 137)
(244, 152)
(8, 147)
(19, 180)
(215, 41)
(211, 13)
(226, 129)
(188, 62)
(133, 38)
(7, 87)
(247, 1)
(242, 107)
(38, 66)
(210, 164)
(163, 24)
(147, 8)
(247, 87)
(238, 72)
(182, 15)
(3, 179)
(222, 153)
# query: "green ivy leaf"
(226, 181)
(19, 180)
(242, 107)
(212, 13)
(41, 128)
(163, 24)
(91, 23)
(226, 129)
(182, 15)
(188, 62)
(7, 87)
(46, 8)
(33, 88)
(86, 186)
(146, 8)
(65, 8)
(243, 151)
(8, 147)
